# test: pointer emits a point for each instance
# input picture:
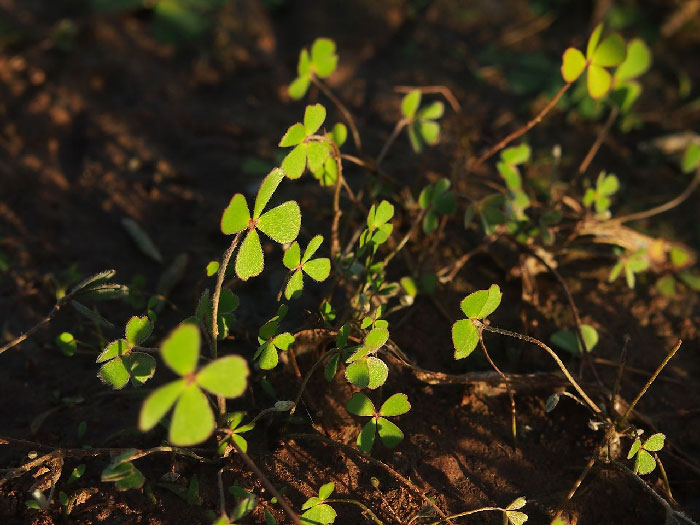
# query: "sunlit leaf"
(180, 350)
(192, 420)
(227, 376)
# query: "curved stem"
(403, 241)
(341, 107)
(527, 127)
(614, 112)
(467, 513)
(385, 149)
(64, 300)
(551, 352)
(365, 508)
(663, 207)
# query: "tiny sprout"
(477, 305)
(568, 340)
(374, 482)
(122, 363)
(321, 63)
(318, 269)
(606, 187)
(281, 224)
(422, 125)
(626, 89)
(633, 263)
(233, 421)
(436, 199)
(517, 199)
(193, 420)
(270, 341)
(66, 343)
(513, 516)
(212, 268)
(644, 462)
(599, 55)
(123, 473)
(308, 150)
(365, 370)
(378, 227)
(316, 511)
(691, 158)
(390, 435)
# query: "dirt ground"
(115, 124)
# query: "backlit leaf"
(360, 405)
(366, 438)
(318, 269)
(313, 118)
(249, 260)
(158, 403)
(294, 135)
(312, 247)
(481, 304)
(114, 373)
(598, 81)
(294, 286)
(180, 350)
(573, 64)
(267, 188)
(236, 215)
(410, 103)
(227, 376)
(395, 406)
(389, 433)
(192, 420)
(138, 329)
(465, 337)
(281, 223)
(611, 52)
(292, 257)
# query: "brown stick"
(524, 129)
(598, 141)
(344, 110)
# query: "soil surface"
(108, 123)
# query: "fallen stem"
(467, 513)
(365, 508)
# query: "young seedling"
(364, 370)
(122, 363)
(123, 473)
(625, 87)
(599, 197)
(66, 343)
(422, 124)
(245, 504)
(309, 149)
(644, 462)
(477, 305)
(318, 269)
(321, 63)
(513, 515)
(389, 434)
(327, 174)
(233, 421)
(569, 341)
(316, 510)
(517, 200)
(378, 228)
(632, 264)
(599, 56)
(193, 420)
(281, 224)
(436, 199)
(271, 340)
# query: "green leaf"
(358, 373)
(294, 286)
(611, 52)
(236, 215)
(415, 138)
(212, 268)
(283, 341)
(249, 260)
(376, 338)
(395, 406)
(430, 222)
(268, 356)
(298, 88)
(138, 329)
(312, 248)
(383, 213)
(326, 490)
(244, 507)
(318, 269)
(481, 304)
(316, 155)
(567, 340)
(637, 61)
(158, 403)
(267, 188)
(339, 134)
(432, 111)
(282, 223)
(410, 103)
(228, 301)
(331, 367)
(593, 41)
(141, 367)
(193, 419)
(465, 337)
(516, 517)
(644, 463)
(91, 314)
(429, 131)
(227, 376)
(409, 286)
(654, 443)
(389, 433)
(319, 515)
(294, 135)
(295, 162)
(67, 343)
(304, 64)
(180, 350)
(691, 158)
(323, 57)
(292, 257)
(573, 64)
(313, 118)
(516, 155)
(518, 503)
(377, 372)
(366, 438)
(598, 81)
(608, 184)
(114, 373)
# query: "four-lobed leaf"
(644, 461)
(318, 269)
(281, 224)
(309, 150)
(389, 434)
(192, 420)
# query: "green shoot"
(436, 199)
(316, 511)
(270, 340)
(606, 186)
(389, 434)
(423, 127)
(321, 63)
(122, 363)
(308, 150)
(318, 269)
(478, 305)
(568, 340)
(644, 462)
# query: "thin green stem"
(365, 509)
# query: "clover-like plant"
(321, 63)
(270, 340)
(477, 305)
(233, 422)
(316, 511)
(327, 173)
(363, 369)
(389, 434)
(599, 197)
(378, 227)
(644, 461)
(309, 149)
(121, 362)
(192, 420)
(569, 341)
(610, 52)
(632, 263)
(625, 87)
(422, 124)
(436, 199)
(228, 303)
(318, 269)
(281, 224)
(517, 200)
(122, 472)
(513, 515)
(245, 504)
